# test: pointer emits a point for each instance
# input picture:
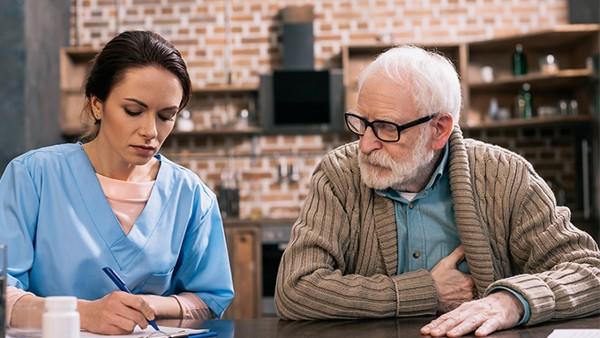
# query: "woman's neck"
(108, 163)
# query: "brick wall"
(231, 42)
(239, 37)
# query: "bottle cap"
(60, 304)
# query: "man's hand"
(453, 287)
(498, 311)
(116, 313)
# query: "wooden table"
(405, 327)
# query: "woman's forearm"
(185, 305)
(164, 307)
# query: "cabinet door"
(245, 256)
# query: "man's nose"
(369, 142)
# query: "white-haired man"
(389, 219)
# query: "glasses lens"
(386, 131)
(355, 124)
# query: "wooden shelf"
(562, 78)
(260, 222)
(225, 89)
(84, 53)
(378, 48)
(218, 132)
(533, 122)
(560, 35)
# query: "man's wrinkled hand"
(453, 287)
(498, 311)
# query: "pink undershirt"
(127, 200)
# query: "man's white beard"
(402, 172)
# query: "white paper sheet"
(137, 333)
(575, 333)
(148, 332)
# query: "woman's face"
(138, 114)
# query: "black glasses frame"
(399, 127)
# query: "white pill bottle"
(60, 319)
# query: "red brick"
(256, 176)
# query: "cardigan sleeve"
(560, 264)
(312, 282)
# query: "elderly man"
(389, 219)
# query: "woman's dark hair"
(132, 49)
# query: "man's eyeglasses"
(386, 131)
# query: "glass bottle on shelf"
(493, 109)
(228, 195)
(519, 61)
(524, 104)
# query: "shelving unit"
(560, 79)
(571, 46)
(533, 122)
(575, 49)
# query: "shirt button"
(417, 254)
(410, 205)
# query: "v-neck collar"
(124, 247)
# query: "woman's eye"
(131, 112)
(167, 117)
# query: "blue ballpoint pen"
(203, 335)
(121, 285)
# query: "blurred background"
(272, 79)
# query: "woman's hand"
(116, 313)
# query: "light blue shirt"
(61, 231)
(426, 226)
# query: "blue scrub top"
(61, 231)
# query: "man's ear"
(97, 108)
(442, 128)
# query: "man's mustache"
(377, 158)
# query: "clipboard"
(167, 332)
(182, 334)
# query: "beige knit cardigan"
(342, 258)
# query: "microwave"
(302, 100)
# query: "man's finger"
(435, 323)
(468, 325)
(456, 256)
(453, 319)
(487, 328)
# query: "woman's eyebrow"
(137, 101)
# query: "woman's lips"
(144, 150)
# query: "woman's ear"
(97, 108)
(443, 123)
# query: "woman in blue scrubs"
(69, 210)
